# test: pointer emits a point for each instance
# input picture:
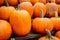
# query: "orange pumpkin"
(37, 7)
(51, 8)
(5, 12)
(35, 1)
(1, 2)
(57, 34)
(48, 36)
(50, 1)
(21, 22)
(40, 24)
(5, 30)
(27, 6)
(56, 22)
(59, 10)
(57, 1)
(12, 2)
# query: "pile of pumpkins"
(42, 16)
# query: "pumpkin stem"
(18, 6)
(25, 0)
(6, 3)
(49, 1)
(48, 34)
(42, 14)
(56, 14)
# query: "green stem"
(42, 14)
(56, 14)
(6, 3)
(48, 34)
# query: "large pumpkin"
(28, 7)
(37, 7)
(21, 22)
(5, 12)
(51, 8)
(12, 2)
(5, 30)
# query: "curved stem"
(6, 3)
(48, 34)
(18, 7)
(42, 14)
(56, 14)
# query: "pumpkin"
(59, 10)
(20, 1)
(5, 30)
(51, 8)
(57, 1)
(40, 24)
(50, 1)
(37, 7)
(1, 2)
(12, 2)
(35, 1)
(57, 34)
(56, 22)
(5, 12)
(28, 7)
(48, 37)
(21, 22)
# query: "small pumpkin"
(35, 1)
(56, 22)
(51, 8)
(57, 34)
(37, 7)
(5, 11)
(59, 10)
(40, 24)
(12, 2)
(28, 7)
(48, 37)
(1, 2)
(21, 22)
(5, 30)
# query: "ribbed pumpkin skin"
(21, 22)
(56, 23)
(12, 2)
(5, 30)
(35, 1)
(28, 7)
(37, 7)
(1, 2)
(40, 24)
(5, 12)
(45, 38)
